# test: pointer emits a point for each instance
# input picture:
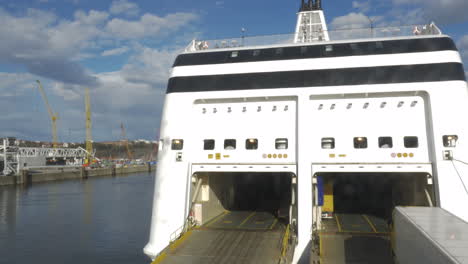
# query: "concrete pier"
(83, 173)
(24, 177)
(27, 177)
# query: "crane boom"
(53, 116)
(89, 139)
(125, 139)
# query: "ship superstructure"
(290, 148)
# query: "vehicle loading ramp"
(233, 237)
(355, 238)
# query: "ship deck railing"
(198, 45)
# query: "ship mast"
(311, 25)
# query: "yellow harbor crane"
(53, 116)
(89, 139)
(125, 140)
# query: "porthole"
(411, 142)
(360, 142)
(208, 144)
(385, 142)
(229, 144)
(281, 143)
(450, 141)
(251, 143)
(177, 144)
(328, 143)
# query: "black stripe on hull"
(313, 78)
(318, 51)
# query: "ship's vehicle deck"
(359, 229)
(355, 238)
(256, 237)
(232, 237)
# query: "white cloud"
(440, 11)
(45, 45)
(362, 7)
(462, 45)
(351, 20)
(124, 7)
(115, 92)
(130, 95)
(150, 66)
(52, 49)
(114, 52)
(16, 84)
(68, 94)
(149, 25)
(26, 116)
(93, 17)
(137, 83)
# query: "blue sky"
(122, 50)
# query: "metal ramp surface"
(355, 239)
(233, 237)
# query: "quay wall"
(7, 180)
(27, 177)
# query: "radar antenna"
(318, 4)
(311, 5)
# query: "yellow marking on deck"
(216, 219)
(331, 155)
(285, 241)
(370, 223)
(342, 155)
(179, 241)
(246, 219)
(160, 258)
(338, 223)
(210, 156)
(218, 156)
(357, 231)
(226, 156)
(274, 223)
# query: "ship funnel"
(311, 24)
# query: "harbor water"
(99, 220)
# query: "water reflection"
(7, 215)
(103, 220)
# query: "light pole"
(371, 26)
(243, 36)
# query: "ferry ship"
(315, 147)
